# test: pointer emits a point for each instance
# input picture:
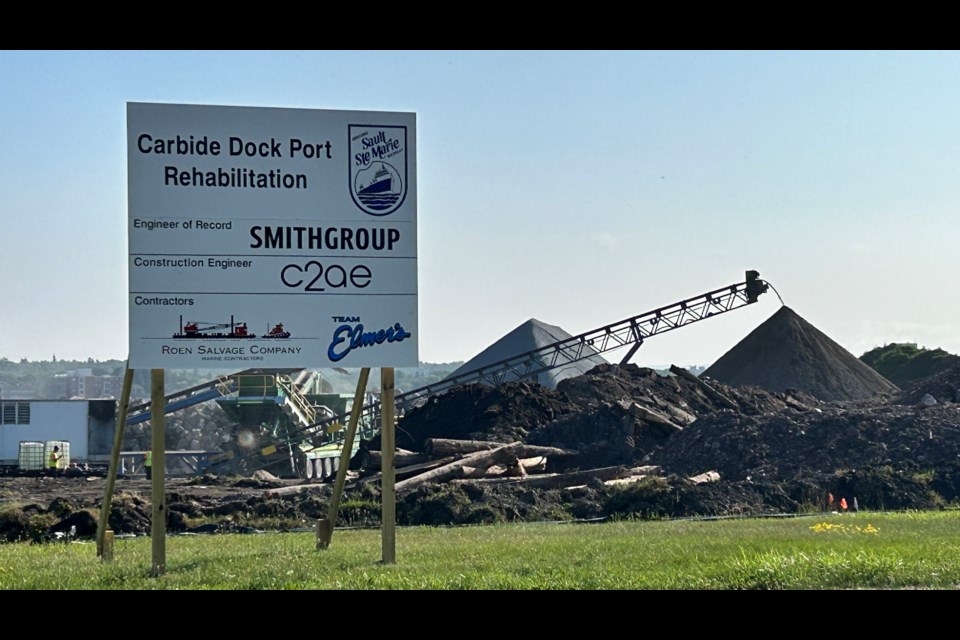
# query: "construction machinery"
(268, 407)
(324, 434)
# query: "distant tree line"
(38, 378)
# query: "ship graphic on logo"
(378, 188)
(378, 167)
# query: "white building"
(88, 425)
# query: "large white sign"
(271, 237)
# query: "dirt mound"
(944, 387)
(507, 413)
(793, 445)
(612, 415)
(82, 524)
(606, 435)
(681, 397)
(613, 383)
(626, 412)
(129, 513)
(673, 497)
(787, 352)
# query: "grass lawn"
(902, 550)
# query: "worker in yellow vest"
(148, 465)
(54, 463)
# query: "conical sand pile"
(787, 352)
(531, 335)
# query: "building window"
(14, 413)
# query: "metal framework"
(222, 386)
(630, 332)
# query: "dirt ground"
(39, 507)
(88, 492)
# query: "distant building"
(17, 393)
(82, 384)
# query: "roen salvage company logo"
(378, 167)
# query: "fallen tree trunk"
(504, 454)
(450, 447)
(561, 480)
(411, 469)
(297, 488)
(401, 458)
(704, 478)
(652, 416)
(495, 471)
(515, 469)
(537, 464)
(521, 450)
(712, 393)
(639, 473)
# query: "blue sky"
(578, 188)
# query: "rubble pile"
(942, 387)
(611, 415)
(791, 445)
(507, 413)
(203, 427)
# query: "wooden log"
(703, 478)
(515, 469)
(653, 416)
(449, 447)
(495, 471)
(561, 480)
(483, 460)
(510, 453)
(401, 458)
(622, 482)
(297, 488)
(712, 393)
(411, 469)
(536, 464)
(521, 450)
(680, 416)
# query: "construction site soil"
(775, 450)
(942, 387)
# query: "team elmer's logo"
(378, 167)
(350, 336)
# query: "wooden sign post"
(158, 521)
(388, 445)
(104, 521)
(325, 526)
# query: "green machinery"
(277, 415)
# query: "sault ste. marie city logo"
(378, 167)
